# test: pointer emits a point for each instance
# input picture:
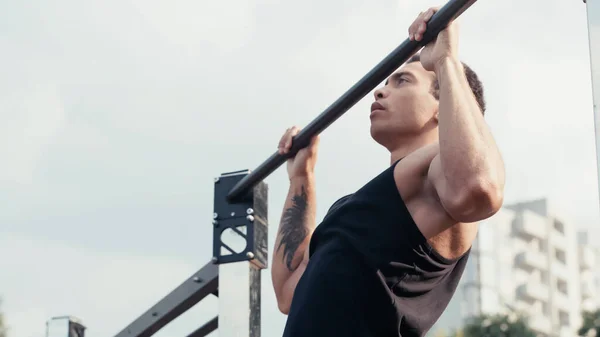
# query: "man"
(387, 259)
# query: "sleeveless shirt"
(375, 223)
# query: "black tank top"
(375, 222)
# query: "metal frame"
(593, 13)
(240, 270)
(207, 328)
(240, 212)
(201, 284)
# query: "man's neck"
(406, 148)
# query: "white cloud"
(32, 119)
(106, 290)
(226, 24)
(27, 322)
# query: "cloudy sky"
(118, 114)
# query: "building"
(65, 326)
(589, 267)
(527, 259)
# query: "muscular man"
(386, 260)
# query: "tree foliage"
(498, 325)
(3, 328)
(591, 324)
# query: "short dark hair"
(472, 78)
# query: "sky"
(118, 114)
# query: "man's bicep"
(462, 203)
(450, 200)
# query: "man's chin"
(376, 132)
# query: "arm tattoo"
(293, 227)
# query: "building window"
(560, 255)
(543, 246)
(544, 277)
(562, 286)
(559, 226)
(563, 317)
(545, 308)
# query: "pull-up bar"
(385, 68)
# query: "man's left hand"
(443, 47)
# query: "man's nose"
(381, 93)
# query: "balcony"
(531, 259)
(541, 324)
(557, 239)
(587, 291)
(530, 225)
(533, 291)
(560, 270)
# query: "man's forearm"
(293, 236)
(468, 152)
(297, 224)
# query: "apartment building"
(589, 272)
(527, 259)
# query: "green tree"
(591, 323)
(2, 325)
(499, 325)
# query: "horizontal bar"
(201, 284)
(207, 328)
(384, 69)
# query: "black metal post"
(385, 68)
(240, 238)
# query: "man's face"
(405, 106)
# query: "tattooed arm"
(298, 222)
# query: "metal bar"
(593, 21)
(384, 69)
(207, 328)
(189, 293)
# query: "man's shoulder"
(410, 173)
(338, 203)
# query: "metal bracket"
(240, 230)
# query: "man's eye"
(401, 80)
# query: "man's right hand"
(303, 164)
